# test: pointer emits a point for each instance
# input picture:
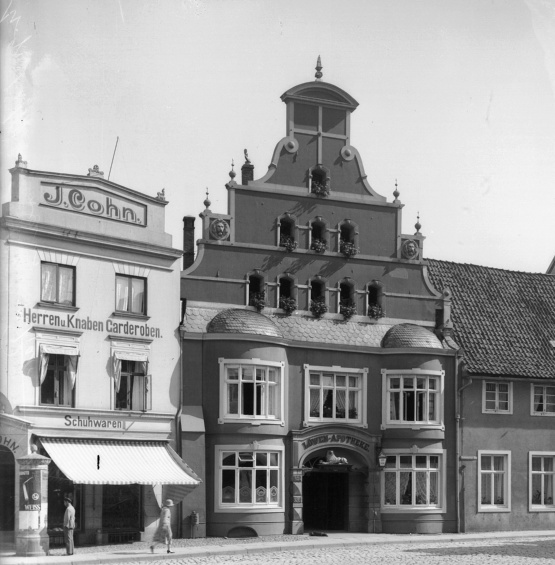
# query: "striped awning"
(111, 462)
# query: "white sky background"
(457, 101)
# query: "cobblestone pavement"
(528, 551)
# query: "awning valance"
(58, 349)
(131, 355)
(110, 462)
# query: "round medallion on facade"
(410, 335)
(348, 153)
(235, 320)
(292, 145)
(410, 249)
(219, 229)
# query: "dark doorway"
(325, 499)
(7, 492)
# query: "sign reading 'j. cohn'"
(95, 202)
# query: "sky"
(457, 102)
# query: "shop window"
(543, 400)
(130, 294)
(132, 385)
(497, 397)
(335, 395)
(121, 508)
(57, 284)
(412, 399)
(251, 390)
(413, 482)
(248, 479)
(542, 476)
(494, 479)
(57, 378)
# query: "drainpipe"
(459, 373)
(178, 425)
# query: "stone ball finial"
(232, 173)
(418, 225)
(207, 200)
(319, 68)
(396, 192)
(34, 448)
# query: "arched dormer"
(374, 299)
(348, 238)
(287, 231)
(318, 234)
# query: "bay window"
(251, 390)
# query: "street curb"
(254, 548)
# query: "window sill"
(312, 423)
(498, 412)
(542, 414)
(411, 510)
(131, 315)
(541, 509)
(251, 421)
(56, 306)
(412, 426)
(494, 509)
(249, 510)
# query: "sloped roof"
(410, 335)
(504, 320)
(235, 320)
(295, 328)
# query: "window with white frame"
(542, 475)
(494, 481)
(132, 383)
(497, 397)
(413, 481)
(251, 390)
(58, 357)
(57, 284)
(412, 398)
(248, 478)
(543, 400)
(130, 294)
(335, 394)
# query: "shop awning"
(111, 462)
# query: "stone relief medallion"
(219, 229)
(410, 249)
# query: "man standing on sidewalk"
(69, 524)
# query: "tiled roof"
(410, 335)
(504, 320)
(235, 320)
(299, 328)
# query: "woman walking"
(164, 532)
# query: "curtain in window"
(394, 405)
(314, 402)
(421, 488)
(118, 356)
(72, 355)
(122, 294)
(245, 486)
(65, 285)
(48, 275)
(405, 487)
(137, 295)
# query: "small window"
(57, 284)
(497, 397)
(133, 389)
(542, 477)
(374, 306)
(413, 482)
(130, 294)
(257, 294)
(250, 390)
(543, 400)
(287, 235)
(347, 233)
(494, 477)
(318, 290)
(58, 379)
(318, 240)
(347, 303)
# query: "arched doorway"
(7, 492)
(334, 495)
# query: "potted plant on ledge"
(348, 248)
(318, 307)
(319, 188)
(288, 242)
(319, 245)
(347, 309)
(289, 305)
(258, 300)
(375, 311)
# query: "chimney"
(188, 241)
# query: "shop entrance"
(325, 500)
(7, 492)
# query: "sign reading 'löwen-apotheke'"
(95, 202)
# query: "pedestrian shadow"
(537, 549)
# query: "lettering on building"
(336, 438)
(89, 422)
(9, 443)
(95, 202)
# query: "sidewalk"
(201, 547)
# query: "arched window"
(286, 294)
(257, 294)
(348, 238)
(374, 305)
(318, 304)
(347, 305)
(287, 236)
(318, 241)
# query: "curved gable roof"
(321, 93)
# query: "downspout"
(178, 444)
(459, 370)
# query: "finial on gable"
(396, 192)
(417, 225)
(207, 201)
(95, 172)
(232, 173)
(319, 68)
(20, 162)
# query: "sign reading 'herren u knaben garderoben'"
(73, 322)
(95, 202)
